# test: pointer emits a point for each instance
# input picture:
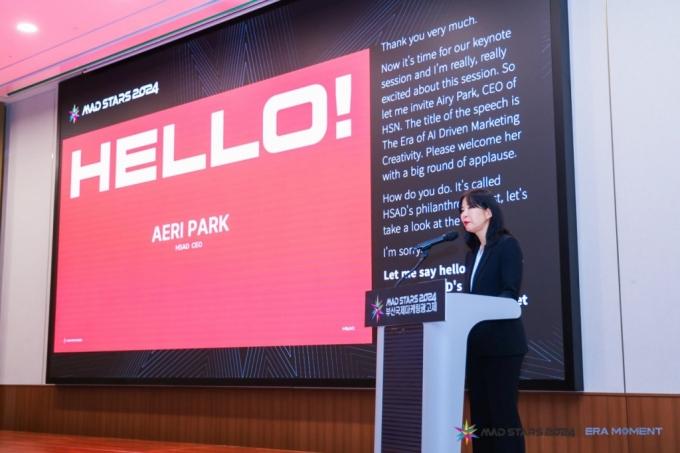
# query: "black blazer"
(499, 273)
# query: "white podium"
(426, 362)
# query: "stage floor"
(22, 442)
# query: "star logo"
(377, 309)
(74, 114)
(467, 433)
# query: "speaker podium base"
(420, 380)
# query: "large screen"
(225, 201)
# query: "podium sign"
(408, 304)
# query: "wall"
(3, 111)
(26, 238)
(596, 215)
(303, 420)
(609, 41)
(329, 421)
(644, 48)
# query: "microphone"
(450, 236)
(424, 249)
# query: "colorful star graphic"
(74, 114)
(466, 432)
(377, 309)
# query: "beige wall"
(644, 59)
(26, 238)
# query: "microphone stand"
(424, 252)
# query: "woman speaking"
(495, 349)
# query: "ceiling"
(76, 34)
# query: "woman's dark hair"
(482, 198)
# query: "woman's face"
(475, 220)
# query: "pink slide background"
(291, 270)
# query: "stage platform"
(23, 442)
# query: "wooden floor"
(21, 442)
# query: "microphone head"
(451, 236)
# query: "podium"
(420, 380)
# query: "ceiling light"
(27, 28)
